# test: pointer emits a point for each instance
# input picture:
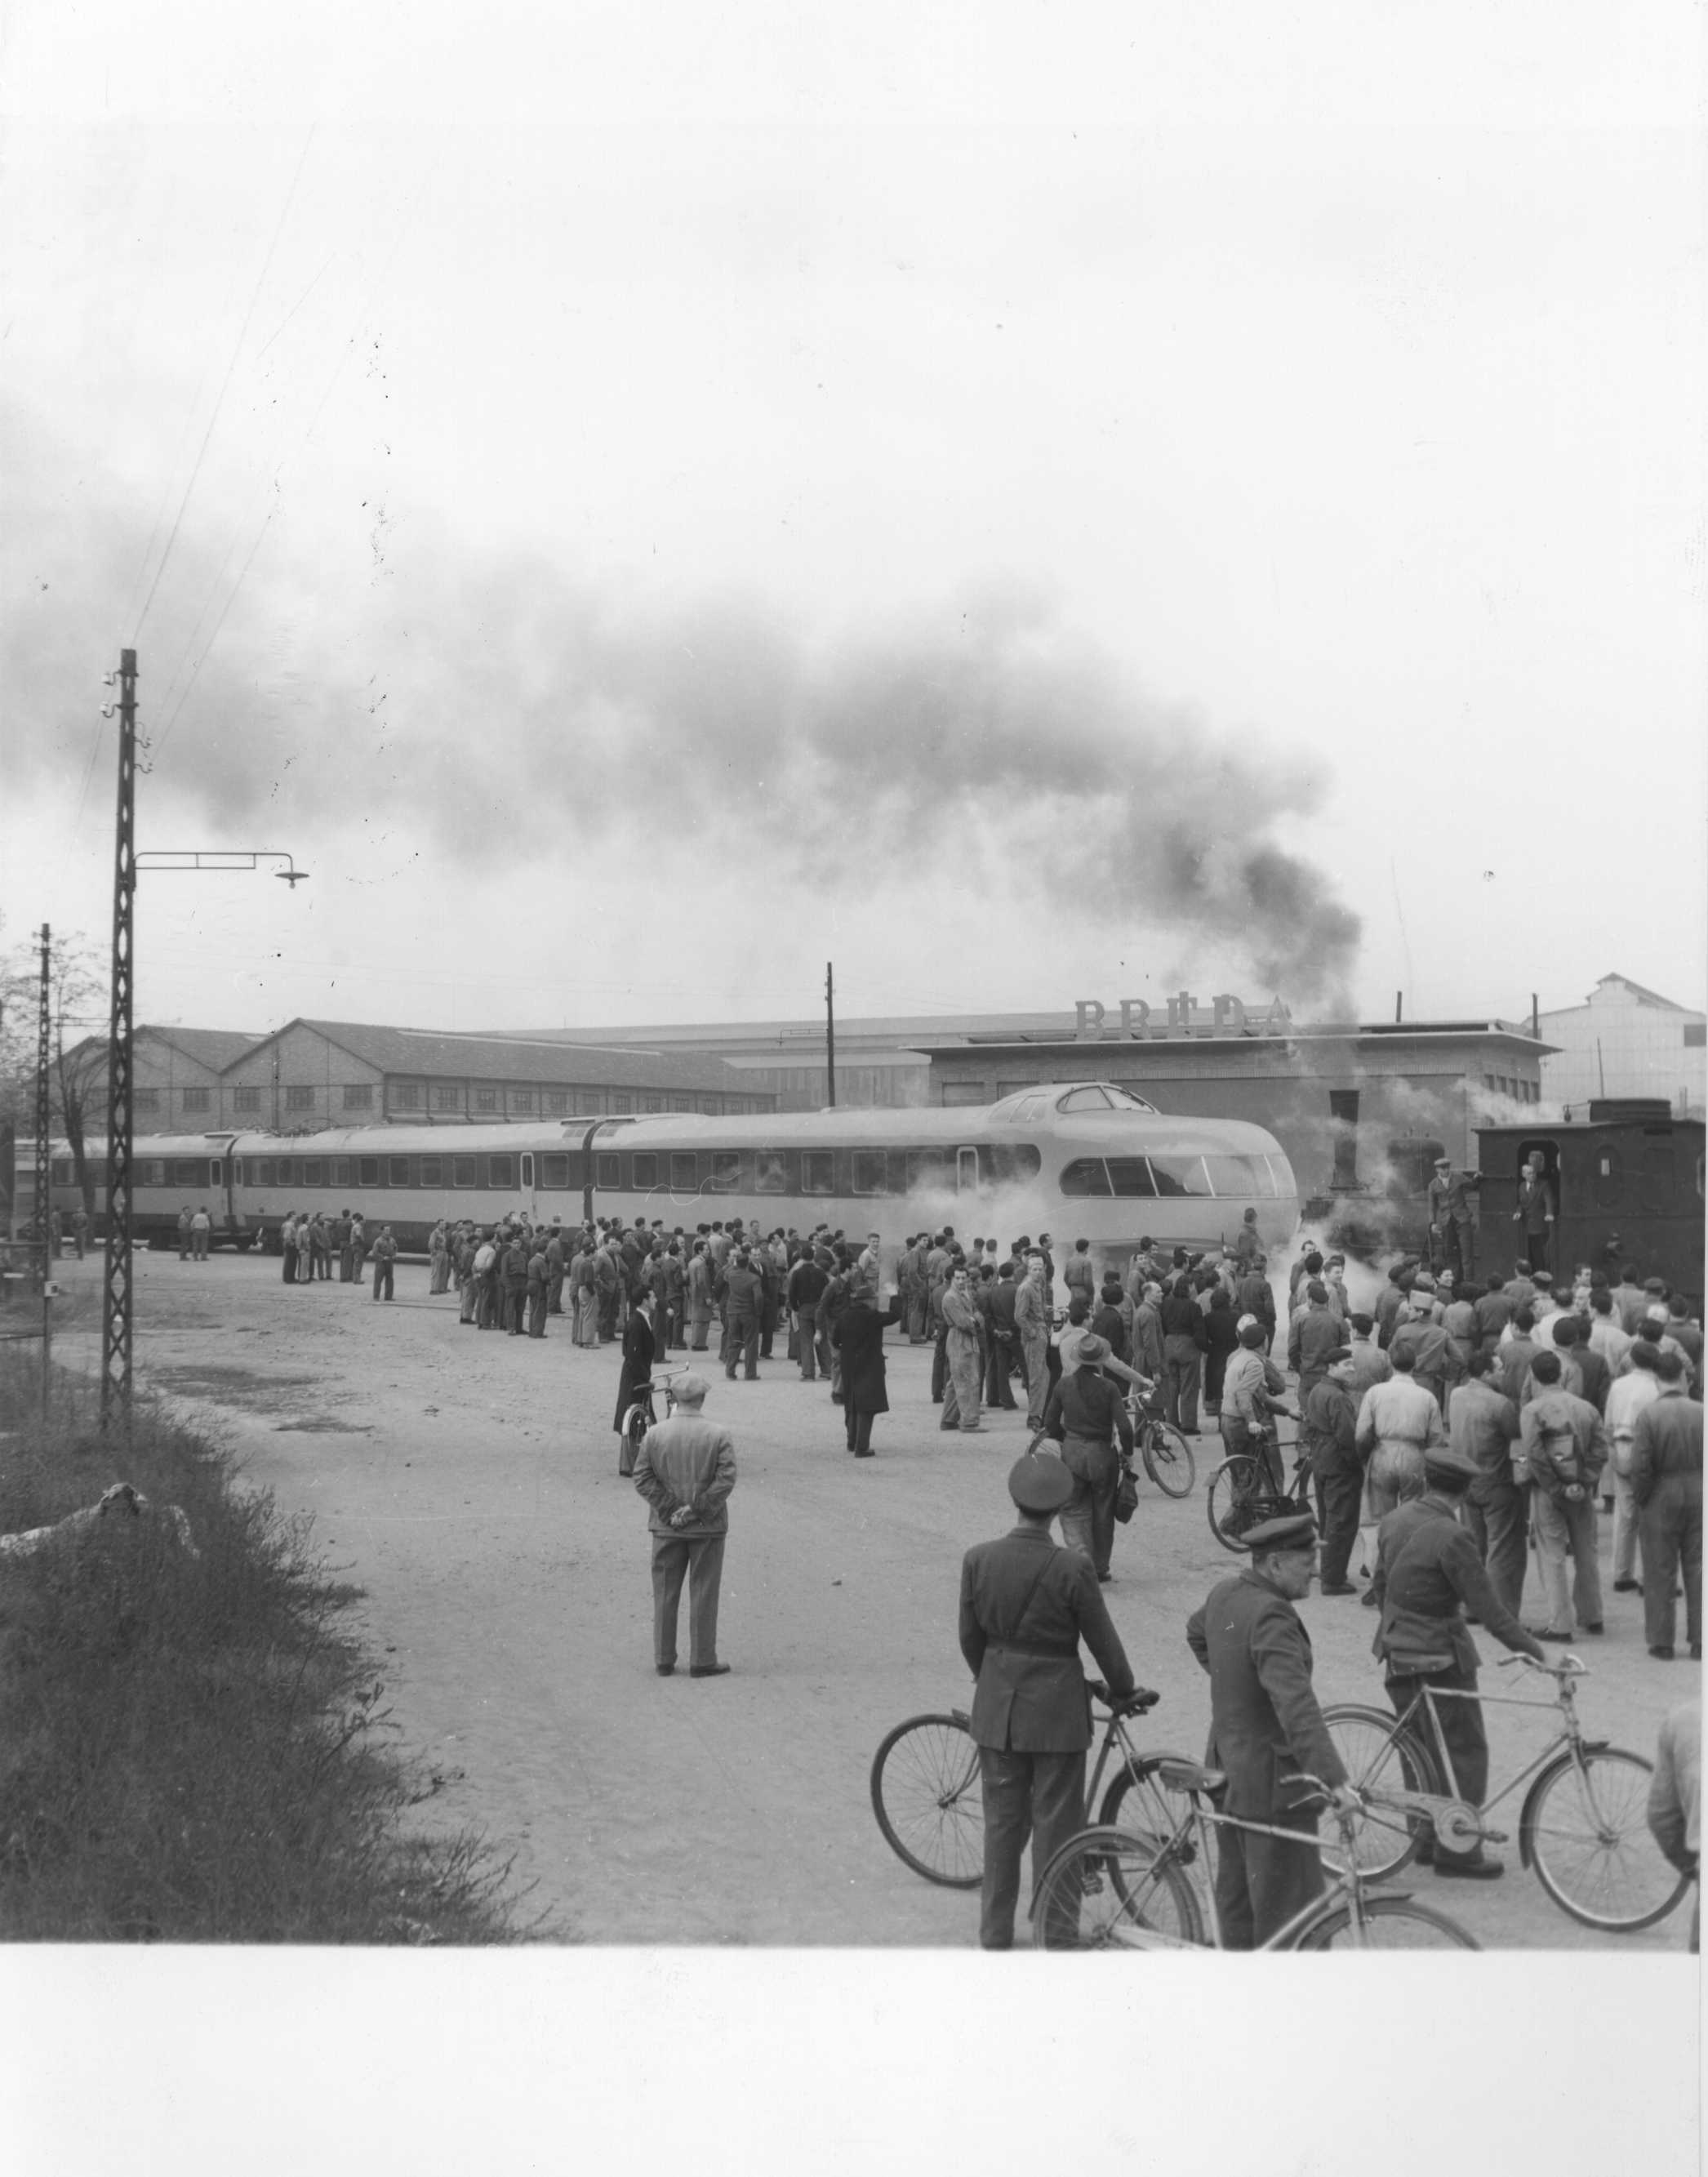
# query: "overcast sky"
(1028, 502)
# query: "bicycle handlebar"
(1569, 1666)
(1136, 1702)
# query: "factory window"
(621, 1104)
(196, 1099)
(652, 1102)
(965, 1092)
(486, 1099)
(358, 1095)
(432, 1171)
(405, 1096)
(557, 1103)
(246, 1100)
(299, 1099)
(145, 1099)
(521, 1100)
(447, 1100)
(681, 1103)
(1085, 1177)
(1695, 1033)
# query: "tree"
(77, 1013)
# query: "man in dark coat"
(806, 1283)
(1025, 1607)
(1535, 1213)
(1004, 1345)
(1184, 1343)
(858, 1335)
(1265, 1725)
(639, 1347)
(1085, 1413)
(1666, 1482)
(1329, 1430)
(744, 1305)
(539, 1287)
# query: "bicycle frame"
(1570, 1733)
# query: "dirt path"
(468, 1481)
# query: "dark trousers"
(1499, 1524)
(554, 1294)
(1039, 1796)
(741, 1343)
(290, 1270)
(859, 1425)
(939, 1365)
(1670, 1527)
(489, 1307)
(537, 1311)
(1339, 1499)
(1088, 1517)
(607, 1315)
(382, 1278)
(998, 1390)
(347, 1264)
(806, 1346)
(1536, 1246)
(700, 1561)
(1458, 1244)
(1263, 1881)
(1182, 1371)
(1460, 1723)
(516, 1300)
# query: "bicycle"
(1111, 1888)
(1168, 1457)
(1582, 1827)
(638, 1415)
(926, 1794)
(1246, 1489)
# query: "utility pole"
(829, 1027)
(115, 1294)
(44, 1160)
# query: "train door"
(526, 1167)
(966, 1171)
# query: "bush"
(191, 1746)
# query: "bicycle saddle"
(1190, 1777)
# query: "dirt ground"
(468, 1481)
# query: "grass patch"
(194, 1747)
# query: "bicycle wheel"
(1378, 1756)
(1388, 1923)
(926, 1796)
(635, 1426)
(1139, 1801)
(1168, 1459)
(1585, 1831)
(1108, 1890)
(1235, 1498)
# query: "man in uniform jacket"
(1025, 1607)
(685, 1471)
(858, 1334)
(1666, 1482)
(1450, 1216)
(1428, 1574)
(1265, 1725)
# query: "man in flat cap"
(685, 1471)
(1451, 1225)
(1429, 1571)
(1329, 1434)
(1265, 1725)
(1025, 1607)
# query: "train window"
(464, 1171)
(1130, 1177)
(726, 1170)
(1176, 1175)
(1609, 1176)
(1237, 1175)
(927, 1168)
(1082, 1100)
(266, 1172)
(432, 1171)
(645, 1170)
(527, 1163)
(1015, 1161)
(1281, 1172)
(1123, 1099)
(397, 1171)
(818, 1171)
(501, 1171)
(871, 1171)
(770, 1171)
(683, 1176)
(367, 1172)
(188, 1172)
(287, 1172)
(1086, 1177)
(608, 1171)
(313, 1172)
(341, 1169)
(555, 1172)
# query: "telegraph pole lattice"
(115, 1296)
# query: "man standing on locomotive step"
(1265, 1725)
(1535, 1213)
(1025, 1607)
(685, 1471)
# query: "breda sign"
(1225, 1015)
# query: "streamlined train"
(1078, 1160)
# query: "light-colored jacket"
(687, 1461)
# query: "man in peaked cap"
(1026, 1604)
(1428, 1565)
(1265, 1725)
